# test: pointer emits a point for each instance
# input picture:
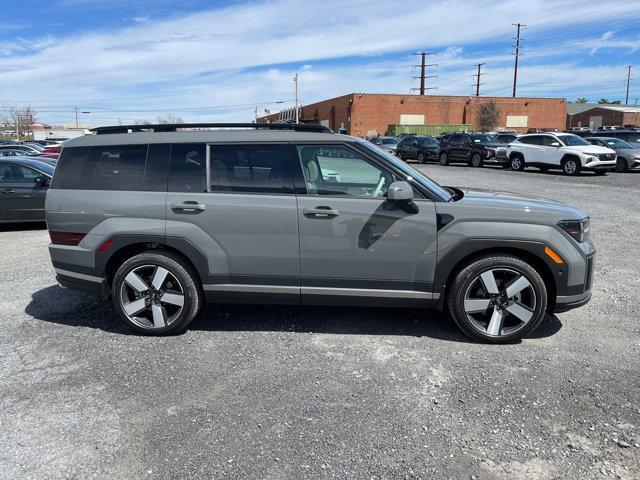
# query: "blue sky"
(219, 61)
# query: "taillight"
(52, 150)
(66, 238)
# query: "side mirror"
(41, 181)
(555, 144)
(400, 191)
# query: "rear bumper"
(83, 283)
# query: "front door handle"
(7, 190)
(188, 207)
(320, 212)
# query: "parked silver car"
(163, 220)
(628, 156)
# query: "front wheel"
(444, 159)
(571, 167)
(476, 160)
(517, 163)
(498, 299)
(421, 158)
(622, 165)
(156, 293)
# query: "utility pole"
(478, 75)
(626, 100)
(423, 72)
(295, 81)
(18, 126)
(76, 109)
(517, 45)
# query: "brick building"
(596, 115)
(368, 114)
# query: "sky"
(119, 61)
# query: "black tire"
(400, 156)
(622, 165)
(476, 160)
(187, 281)
(517, 163)
(469, 276)
(571, 166)
(421, 158)
(444, 159)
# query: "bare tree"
(142, 121)
(19, 118)
(170, 118)
(487, 117)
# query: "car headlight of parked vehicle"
(578, 229)
(491, 152)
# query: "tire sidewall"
(421, 158)
(468, 274)
(476, 160)
(443, 158)
(517, 164)
(186, 277)
(621, 165)
(565, 165)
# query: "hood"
(518, 206)
(591, 149)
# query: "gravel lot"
(301, 392)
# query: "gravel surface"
(307, 392)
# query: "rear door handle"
(188, 207)
(320, 212)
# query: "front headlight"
(490, 152)
(578, 229)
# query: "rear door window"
(17, 174)
(532, 140)
(246, 168)
(188, 168)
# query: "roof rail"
(173, 127)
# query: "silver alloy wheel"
(476, 160)
(443, 159)
(500, 302)
(151, 296)
(570, 167)
(515, 163)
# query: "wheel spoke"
(134, 307)
(522, 313)
(520, 284)
(495, 324)
(159, 315)
(475, 305)
(172, 298)
(159, 277)
(489, 282)
(135, 282)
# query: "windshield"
(618, 143)
(427, 141)
(573, 140)
(409, 171)
(483, 138)
(390, 141)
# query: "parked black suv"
(476, 149)
(418, 148)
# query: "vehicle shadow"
(20, 227)
(61, 306)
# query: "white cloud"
(206, 55)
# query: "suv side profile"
(419, 148)
(475, 149)
(570, 153)
(162, 220)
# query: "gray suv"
(164, 219)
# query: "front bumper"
(569, 302)
(606, 165)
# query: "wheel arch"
(450, 265)
(568, 156)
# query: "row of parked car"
(599, 151)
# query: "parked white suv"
(565, 151)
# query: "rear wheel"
(571, 166)
(622, 165)
(444, 159)
(498, 299)
(476, 160)
(517, 163)
(156, 293)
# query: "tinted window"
(246, 168)
(455, 139)
(426, 141)
(188, 168)
(69, 168)
(406, 141)
(157, 167)
(389, 141)
(115, 167)
(483, 138)
(532, 140)
(16, 174)
(338, 170)
(547, 141)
